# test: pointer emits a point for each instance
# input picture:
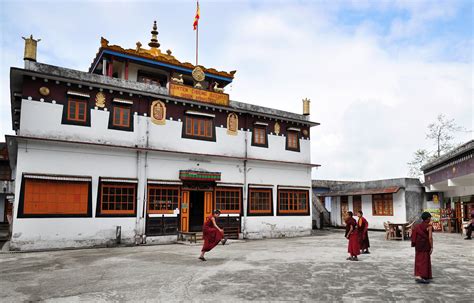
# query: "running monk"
(212, 234)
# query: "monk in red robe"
(362, 228)
(212, 234)
(352, 235)
(422, 240)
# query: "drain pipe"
(145, 180)
(245, 200)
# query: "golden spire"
(154, 37)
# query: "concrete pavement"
(294, 269)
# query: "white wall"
(164, 137)
(376, 222)
(98, 161)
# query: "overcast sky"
(377, 72)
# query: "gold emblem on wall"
(44, 91)
(232, 124)
(277, 128)
(100, 100)
(305, 132)
(198, 74)
(158, 112)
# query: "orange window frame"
(51, 197)
(382, 205)
(259, 136)
(199, 127)
(293, 198)
(253, 203)
(123, 120)
(74, 109)
(117, 199)
(228, 200)
(166, 192)
(292, 138)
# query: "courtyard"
(312, 268)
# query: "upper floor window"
(121, 116)
(292, 141)
(77, 110)
(152, 79)
(199, 127)
(259, 136)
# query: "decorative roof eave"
(448, 156)
(156, 55)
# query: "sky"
(377, 72)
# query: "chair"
(409, 229)
(389, 232)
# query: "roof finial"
(154, 37)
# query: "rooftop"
(468, 146)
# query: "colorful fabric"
(212, 236)
(196, 18)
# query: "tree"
(442, 133)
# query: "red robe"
(420, 240)
(353, 247)
(212, 236)
(363, 233)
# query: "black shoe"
(467, 238)
(202, 259)
(422, 281)
(224, 241)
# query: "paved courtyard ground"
(297, 269)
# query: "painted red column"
(111, 67)
(126, 70)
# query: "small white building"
(145, 146)
(393, 200)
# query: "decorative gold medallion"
(158, 112)
(232, 124)
(305, 132)
(44, 91)
(100, 100)
(454, 170)
(198, 74)
(277, 128)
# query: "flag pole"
(197, 43)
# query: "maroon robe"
(212, 236)
(353, 247)
(363, 233)
(420, 240)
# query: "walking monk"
(422, 240)
(212, 234)
(362, 228)
(351, 234)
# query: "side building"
(143, 146)
(393, 200)
(449, 183)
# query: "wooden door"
(458, 216)
(184, 211)
(207, 204)
(344, 208)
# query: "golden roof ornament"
(154, 37)
(30, 48)
(198, 74)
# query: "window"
(228, 200)
(151, 79)
(260, 136)
(162, 199)
(199, 128)
(54, 198)
(292, 141)
(356, 204)
(117, 199)
(121, 116)
(293, 202)
(382, 205)
(77, 110)
(260, 201)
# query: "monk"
(362, 228)
(470, 227)
(212, 234)
(351, 234)
(422, 240)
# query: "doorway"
(196, 211)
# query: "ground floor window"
(356, 204)
(117, 199)
(163, 199)
(54, 198)
(228, 200)
(382, 205)
(293, 202)
(260, 201)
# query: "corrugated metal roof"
(373, 191)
